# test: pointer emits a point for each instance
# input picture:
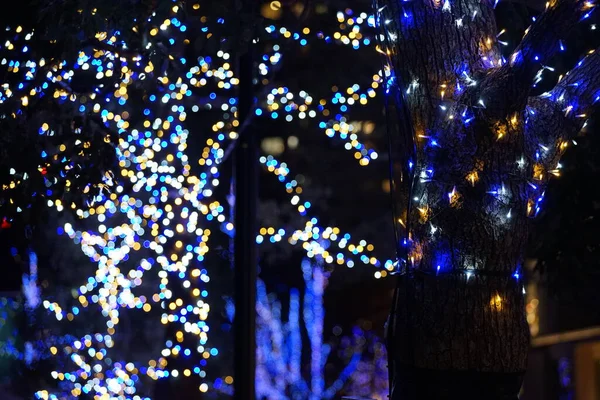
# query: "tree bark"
(484, 150)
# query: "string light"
(445, 121)
(164, 221)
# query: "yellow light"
(501, 129)
(538, 171)
(379, 50)
(496, 302)
(424, 213)
(454, 197)
(564, 145)
(473, 177)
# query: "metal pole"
(245, 255)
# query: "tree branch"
(557, 116)
(541, 41)
(580, 88)
(509, 87)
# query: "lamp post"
(246, 193)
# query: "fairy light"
(347, 254)
(166, 222)
(473, 177)
(496, 302)
(178, 206)
(436, 194)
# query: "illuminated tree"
(104, 106)
(94, 82)
(370, 380)
(280, 358)
(26, 343)
(478, 149)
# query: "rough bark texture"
(483, 152)
(463, 323)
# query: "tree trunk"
(478, 154)
(459, 337)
